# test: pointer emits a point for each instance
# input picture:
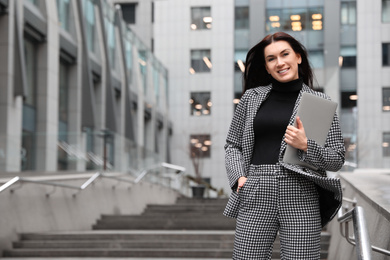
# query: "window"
(90, 25)
(348, 57)
(200, 146)
(201, 18)
(63, 7)
(348, 13)
(386, 144)
(348, 99)
(200, 103)
(200, 61)
(386, 11)
(316, 58)
(128, 12)
(386, 99)
(241, 17)
(386, 54)
(239, 60)
(294, 19)
(63, 99)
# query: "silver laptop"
(316, 114)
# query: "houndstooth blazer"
(240, 143)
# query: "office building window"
(386, 54)
(316, 58)
(200, 146)
(348, 13)
(386, 144)
(128, 12)
(241, 17)
(239, 60)
(348, 99)
(201, 18)
(90, 25)
(200, 61)
(347, 57)
(294, 19)
(200, 103)
(386, 11)
(386, 99)
(63, 114)
(63, 7)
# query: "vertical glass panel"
(110, 30)
(142, 59)
(386, 99)
(316, 58)
(348, 57)
(239, 60)
(200, 103)
(386, 144)
(348, 99)
(89, 14)
(63, 7)
(200, 61)
(156, 82)
(241, 17)
(386, 11)
(386, 54)
(200, 146)
(201, 18)
(348, 13)
(29, 108)
(63, 99)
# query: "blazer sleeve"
(234, 160)
(331, 156)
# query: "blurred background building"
(79, 90)
(85, 83)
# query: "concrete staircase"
(188, 229)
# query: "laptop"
(316, 114)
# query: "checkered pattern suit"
(239, 150)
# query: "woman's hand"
(241, 182)
(296, 136)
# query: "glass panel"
(200, 103)
(239, 60)
(142, 63)
(348, 99)
(89, 13)
(386, 11)
(200, 146)
(63, 7)
(348, 57)
(200, 61)
(110, 30)
(386, 99)
(386, 54)
(129, 59)
(241, 19)
(316, 58)
(201, 18)
(156, 83)
(348, 13)
(63, 99)
(386, 144)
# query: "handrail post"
(363, 243)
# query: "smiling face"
(281, 61)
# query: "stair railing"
(88, 182)
(359, 238)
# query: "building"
(79, 90)
(204, 44)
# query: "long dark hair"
(255, 72)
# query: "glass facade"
(200, 103)
(200, 61)
(63, 7)
(386, 99)
(386, 54)
(63, 116)
(90, 23)
(386, 144)
(29, 137)
(386, 11)
(201, 18)
(200, 146)
(348, 13)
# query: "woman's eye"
(285, 54)
(271, 59)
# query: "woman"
(269, 196)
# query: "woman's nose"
(279, 61)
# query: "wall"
(371, 190)
(28, 209)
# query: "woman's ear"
(299, 58)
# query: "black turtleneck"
(272, 119)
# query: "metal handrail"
(360, 237)
(90, 180)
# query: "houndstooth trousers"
(272, 200)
